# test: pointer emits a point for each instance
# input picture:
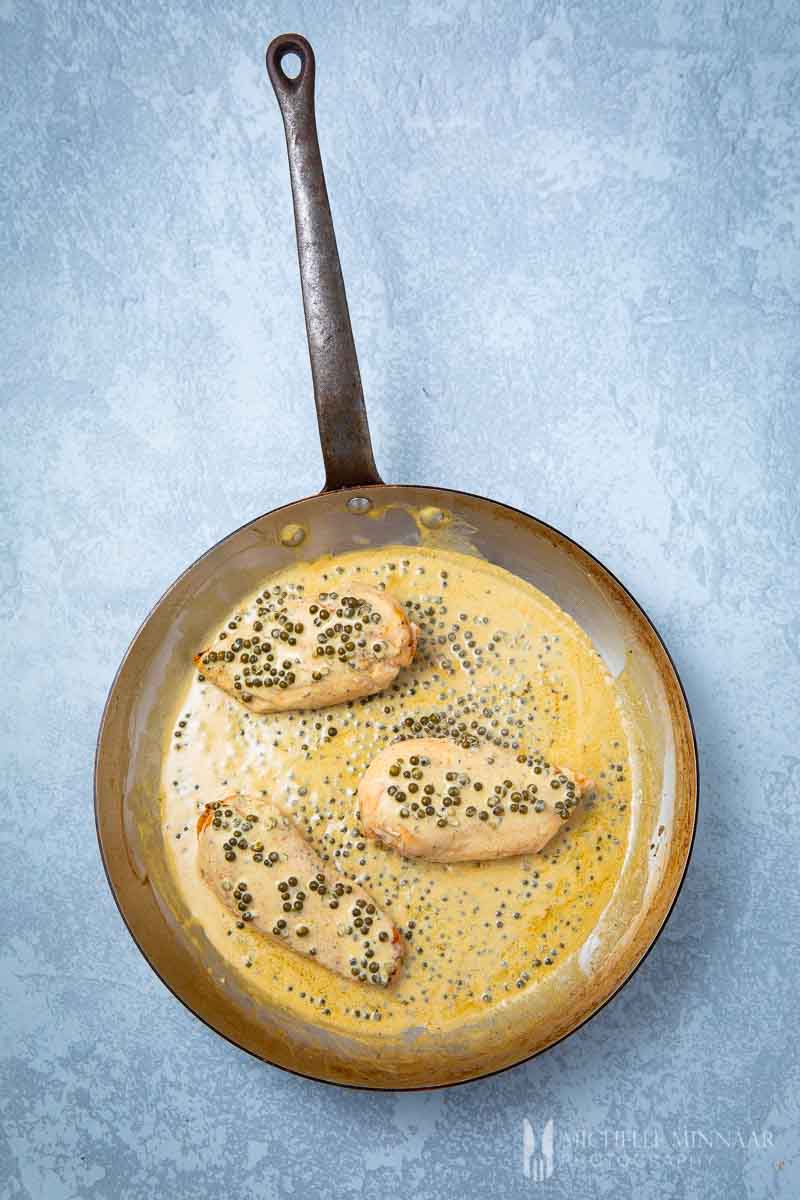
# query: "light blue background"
(570, 237)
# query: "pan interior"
(144, 701)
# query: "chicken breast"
(431, 798)
(265, 872)
(295, 651)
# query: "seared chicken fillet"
(264, 871)
(291, 651)
(430, 798)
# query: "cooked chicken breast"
(430, 798)
(265, 872)
(295, 651)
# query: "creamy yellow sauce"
(497, 657)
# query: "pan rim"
(683, 869)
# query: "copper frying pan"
(356, 509)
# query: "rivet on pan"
(292, 535)
(432, 518)
(359, 504)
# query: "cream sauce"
(495, 655)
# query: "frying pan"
(356, 509)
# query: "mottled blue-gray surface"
(570, 235)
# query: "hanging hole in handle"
(290, 64)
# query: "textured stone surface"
(570, 237)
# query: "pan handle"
(341, 413)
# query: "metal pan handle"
(341, 413)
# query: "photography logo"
(537, 1161)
